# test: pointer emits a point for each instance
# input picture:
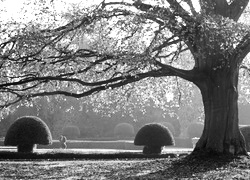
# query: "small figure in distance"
(63, 141)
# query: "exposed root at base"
(205, 153)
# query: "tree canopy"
(97, 48)
(111, 45)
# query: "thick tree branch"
(154, 12)
(221, 7)
(189, 75)
(166, 13)
(236, 8)
(84, 21)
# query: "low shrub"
(26, 132)
(195, 130)
(76, 144)
(245, 130)
(153, 137)
(124, 130)
(71, 132)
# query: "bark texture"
(221, 132)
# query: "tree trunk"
(221, 132)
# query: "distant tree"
(124, 130)
(194, 130)
(136, 46)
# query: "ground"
(184, 167)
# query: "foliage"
(124, 130)
(187, 113)
(195, 129)
(245, 130)
(51, 46)
(154, 136)
(71, 132)
(59, 112)
(27, 131)
(50, 109)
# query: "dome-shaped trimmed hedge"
(71, 132)
(27, 131)
(245, 130)
(124, 130)
(153, 136)
(195, 130)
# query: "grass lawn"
(70, 164)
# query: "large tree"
(128, 44)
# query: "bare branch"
(166, 44)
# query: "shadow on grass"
(73, 155)
(194, 166)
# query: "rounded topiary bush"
(153, 137)
(195, 130)
(71, 132)
(123, 130)
(169, 126)
(26, 132)
(245, 130)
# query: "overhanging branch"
(236, 8)
(109, 84)
(189, 75)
